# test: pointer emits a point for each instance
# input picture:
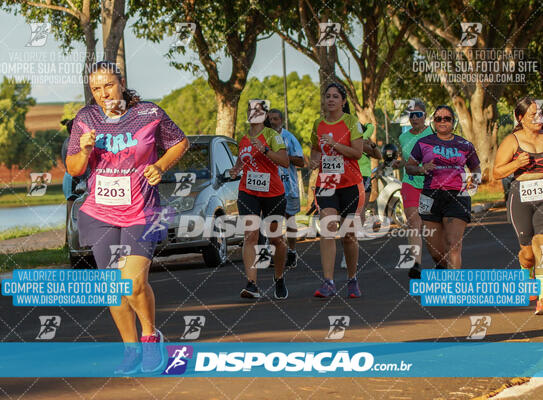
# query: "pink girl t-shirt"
(119, 194)
(449, 157)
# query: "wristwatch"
(266, 149)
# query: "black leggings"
(526, 218)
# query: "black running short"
(345, 200)
(101, 236)
(434, 205)
(526, 217)
(249, 204)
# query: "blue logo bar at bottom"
(277, 359)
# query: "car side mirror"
(225, 177)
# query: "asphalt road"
(385, 313)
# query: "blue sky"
(147, 68)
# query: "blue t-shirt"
(289, 175)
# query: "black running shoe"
(292, 259)
(281, 291)
(250, 291)
(414, 272)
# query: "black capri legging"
(526, 217)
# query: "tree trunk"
(311, 187)
(121, 60)
(327, 69)
(227, 107)
(113, 23)
(480, 127)
(90, 58)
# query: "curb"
(512, 383)
(482, 207)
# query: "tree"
(14, 102)
(375, 56)
(71, 21)
(190, 108)
(505, 25)
(70, 110)
(303, 107)
(220, 28)
(42, 152)
(300, 27)
(114, 19)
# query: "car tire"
(216, 253)
(82, 262)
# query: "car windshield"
(195, 160)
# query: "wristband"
(266, 149)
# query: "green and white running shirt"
(365, 163)
(407, 142)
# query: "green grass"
(483, 196)
(16, 197)
(18, 184)
(25, 231)
(32, 259)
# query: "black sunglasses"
(444, 119)
(416, 114)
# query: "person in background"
(412, 184)
(261, 194)
(444, 207)
(289, 176)
(521, 154)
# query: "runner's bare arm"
(353, 151)
(315, 158)
(76, 164)
(372, 150)
(413, 168)
(297, 161)
(475, 177)
(503, 164)
(154, 172)
(400, 163)
(172, 155)
(279, 157)
(237, 168)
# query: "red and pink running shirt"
(119, 194)
(260, 174)
(336, 170)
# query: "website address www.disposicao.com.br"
(322, 362)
